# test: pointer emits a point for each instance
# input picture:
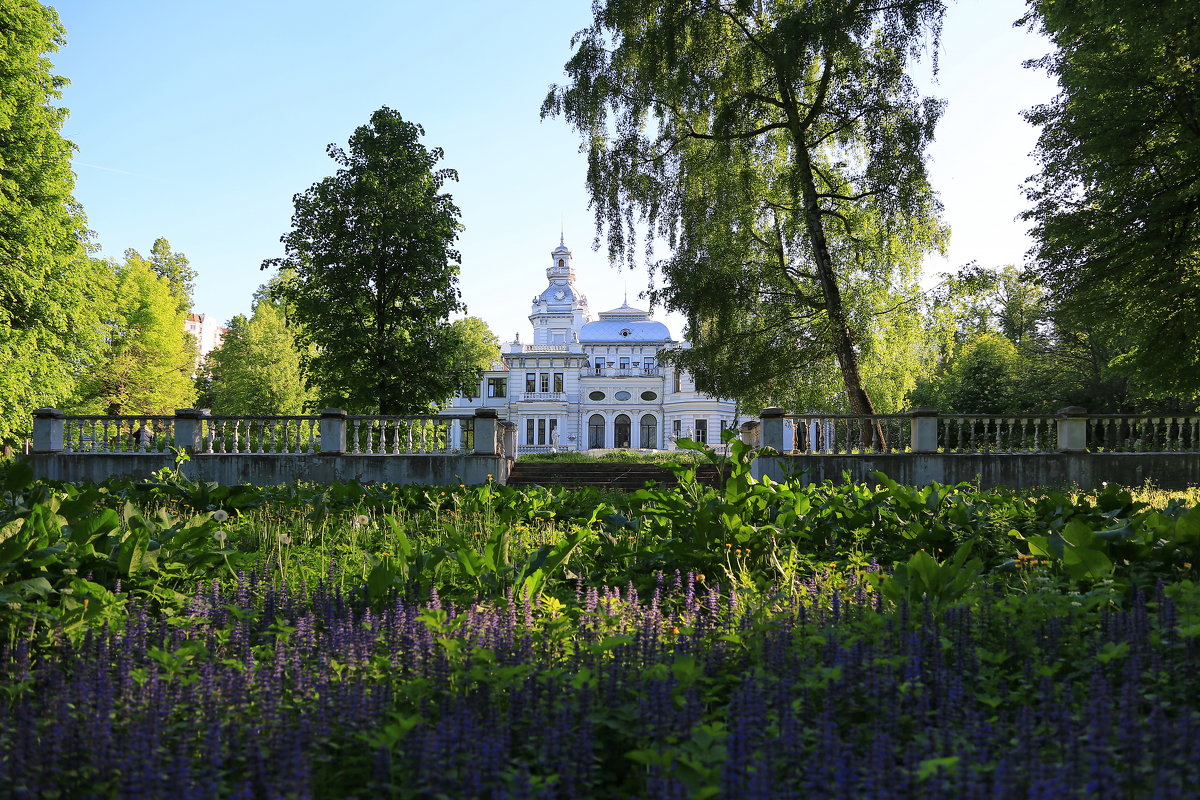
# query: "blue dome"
(619, 330)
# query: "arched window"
(649, 437)
(561, 263)
(595, 431)
(621, 431)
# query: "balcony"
(543, 397)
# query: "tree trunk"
(843, 335)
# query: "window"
(677, 428)
(622, 396)
(648, 396)
(678, 381)
(528, 431)
(624, 362)
(599, 366)
(649, 364)
(496, 387)
(649, 431)
(558, 382)
(702, 431)
(724, 425)
(596, 396)
(553, 429)
(541, 431)
(530, 382)
(621, 430)
(545, 382)
(595, 431)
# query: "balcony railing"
(532, 397)
(621, 372)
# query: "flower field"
(164, 638)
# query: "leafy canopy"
(48, 286)
(373, 273)
(173, 267)
(147, 364)
(1116, 206)
(777, 148)
(257, 368)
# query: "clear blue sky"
(200, 121)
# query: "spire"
(561, 230)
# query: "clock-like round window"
(649, 396)
(596, 396)
(622, 395)
(626, 332)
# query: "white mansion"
(584, 384)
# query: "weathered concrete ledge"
(274, 469)
(1015, 470)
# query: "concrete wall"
(1015, 470)
(272, 470)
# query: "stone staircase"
(601, 474)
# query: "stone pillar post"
(509, 439)
(1072, 430)
(776, 433)
(924, 433)
(750, 432)
(333, 431)
(486, 428)
(48, 430)
(189, 429)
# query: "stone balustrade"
(332, 445)
(1072, 447)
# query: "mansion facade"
(585, 384)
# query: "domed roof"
(624, 323)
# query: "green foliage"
(372, 274)
(473, 349)
(983, 378)
(48, 287)
(147, 364)
(1114, 212)
(171, 267)
(256, 370)
(922, 578)
(779, 149)
(63, 552)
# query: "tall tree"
(478, 346)
(256, 370)
(375, 273)
(48, 285)
(173, 267)
(146, 367)
(778, 148)
(1116, 206)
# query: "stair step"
(626, 476)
